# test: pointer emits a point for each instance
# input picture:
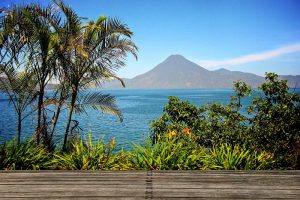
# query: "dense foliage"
(89, 156)
(176, 152)
(23, 156)
(271, 124)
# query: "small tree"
(20, 89)
(276, 121)
(17, 82)
(241, 90)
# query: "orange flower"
(187, 131)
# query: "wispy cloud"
(252, 57)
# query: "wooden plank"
(131, 198)
(170, 184)
(79, 198)
(232, 193)
(213, 193)
(150, 184)
(71, 182)
(91, 188)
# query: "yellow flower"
(172, 133)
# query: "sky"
(255, 36)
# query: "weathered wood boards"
(150, 185)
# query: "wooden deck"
(150, 185)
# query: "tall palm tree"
(17, 82)
(95, 52)
(43, 57)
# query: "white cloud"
(251, 57)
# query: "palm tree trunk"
(61, 102)
(40, 104)
(74, 95)
(19, 127)
(55, 121)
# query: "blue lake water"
(138, 107)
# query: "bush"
(211, 125)
(181, 154)
(90, 156)
(168, 153)
(23, 156)
(226, 157)
(172, 151)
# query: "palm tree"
(19, 86)
(95, 51)
(59, 99)
(42, 54)
(62, 47)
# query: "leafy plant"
(23, 156)
(211, 125)
(226, 157)
(166, 153)
(177, 116)
(87, 156)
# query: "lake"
(138, 107)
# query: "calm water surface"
(138, 107)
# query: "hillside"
(178, 72)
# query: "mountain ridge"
(177, 72)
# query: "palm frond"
(72, 20)
(119, 79)
(99, 101)
(115, 25)
(19, 86)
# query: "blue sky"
(252, 36)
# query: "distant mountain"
(178, 72)
(294, 81)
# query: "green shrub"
(177, 116)
(122, 161)
(179, 153)
(211, 125)
(226, 157)
(23, 156)
(166, 154)
(89, 156)
(172, 151)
